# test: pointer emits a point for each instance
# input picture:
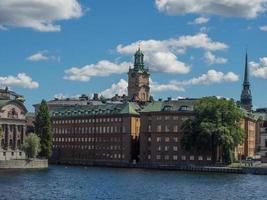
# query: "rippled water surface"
(60, 182)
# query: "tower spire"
(246, 97)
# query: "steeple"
(139, 60)
(246, 81)
(246, 97)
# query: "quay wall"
(24, 164)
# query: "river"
(66, 182)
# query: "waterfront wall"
(24, 164)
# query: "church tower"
(138, 79)
(246, 98)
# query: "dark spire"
(246, 97)
(139, 60)
(246, 74)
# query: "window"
(158, 117)
(167, 139)
(166, 157)
(167, 117)
(208, 158)
(149, 139)
(149, 128)
(167, 128)
(166, 148)
(175, 157)
(175, 139)
(175, 148)
(158, 139)
(200, 157)
(158, 157)
(175, 117)
(158, 128)
(149, 156)
(192, 157)
(159, 148)
(175, 128)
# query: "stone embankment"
(24, 164)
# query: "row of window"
(166, 139)
(88, 147)
(169, 117)
(94, 120)
(167, 148)
(12, 153)
(85, 130)
(100, 139)
(166, 128)
(175, 157)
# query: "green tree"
(43, 129)
(32, 145)
(216, 125)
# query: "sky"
(193, 48)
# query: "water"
(60, 182)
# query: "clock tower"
(138, 79)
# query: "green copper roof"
(105, 109)
(181, 105)
(129, 109)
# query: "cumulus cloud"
(229, 8)
(102, 68)
(211, 77)
(259, 69)
(162, 55)
(21, 80)
(43, 56)
(263, 28)
(211, 59)
(171, 86)
(119, 88)
(37, 57)
(200, 20)
(39, 15)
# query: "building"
(261, 115)
(161, 133)
(138, 79)
(13, 125)
(246, 97)
(104, 134)
(249, 147)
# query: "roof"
(6, 102)
(182, 105)
(88, 110)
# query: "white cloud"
(37, 57)
(42, 56)
(171, 86)
(39, 15)
(211, 59)
(200, 20)
(102, 68)
(119, 88)
(263, 28)
(161, 55)
(21, 80)
(230, 8)
(211, 77)
(259, 69)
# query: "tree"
(216, 125)
(32, 145)
(43, 129)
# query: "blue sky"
(193, 48)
